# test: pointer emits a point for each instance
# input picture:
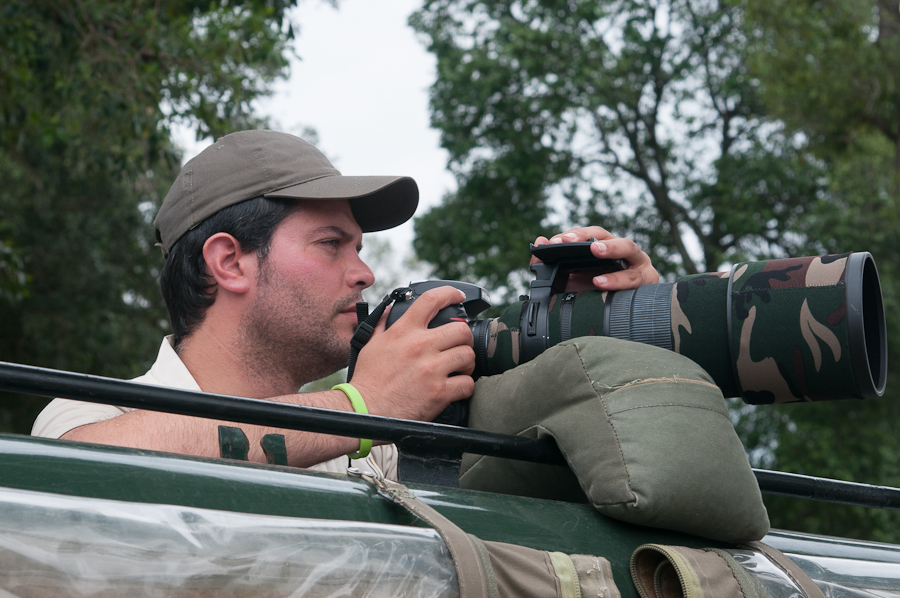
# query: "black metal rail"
(404, 433)
(827, 490)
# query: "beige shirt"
(62, 415)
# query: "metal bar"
(96, 389)
(827, 490)
(405, 433)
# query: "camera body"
(557, 261)
(477, 300)
(551, 274)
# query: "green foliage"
(635, 114)
(846, 440)
(752, 129)
(88, 92)
(831, 70)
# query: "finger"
(624, 279)
(460, 360)
(539, 241)
(581, 234)
(618, 248)
(427, 306)
(459, 387)
(448, 336)
(625, 249)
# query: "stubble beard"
(288, 338)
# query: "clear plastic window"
(55, 545)
(837, 577)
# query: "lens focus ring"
(642, 315)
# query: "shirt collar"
(169, 370)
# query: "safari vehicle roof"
(69, 469)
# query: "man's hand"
(413, 372)
(607, 246)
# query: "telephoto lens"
(776, 331)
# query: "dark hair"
(186, 286)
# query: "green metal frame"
(79, 469)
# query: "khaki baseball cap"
(249, 164)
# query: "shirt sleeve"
(385, 456)
(387, 460)
(62, 415)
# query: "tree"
(89, 90)
(638, 114)
(709, 132)
(830, 69)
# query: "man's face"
(303, 313)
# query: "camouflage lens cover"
(700, 326)
(503, 340)
(771, 332)
(788, 330)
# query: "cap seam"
(397, 179)
(261, 162)
(193, 212)
(300, 183)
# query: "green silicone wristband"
(365, 445)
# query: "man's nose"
(361, 275)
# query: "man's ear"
(232, 268)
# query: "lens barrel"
(795, 329)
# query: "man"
(262, 238)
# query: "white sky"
(362, 83)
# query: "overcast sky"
(362, 83)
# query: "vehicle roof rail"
(406, 434)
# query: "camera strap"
(367, 322)
(565, 316)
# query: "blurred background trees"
(637, 114)
(831, 72)
(709, 132)
(89, 90)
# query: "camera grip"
(451, 313)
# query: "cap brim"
(377, 202)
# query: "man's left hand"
(607, 246)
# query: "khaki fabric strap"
(487, 569)
(473, 581)
(594, 576)
(797, 575)
(485, 557)
(523, 572)
(750, 586)
(566, 574)
(662, 571)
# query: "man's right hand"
(410, 371)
